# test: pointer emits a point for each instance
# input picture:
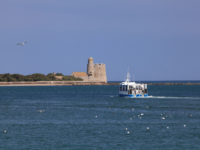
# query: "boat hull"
(133, 96)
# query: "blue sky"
(155, 39)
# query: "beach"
(74, 83)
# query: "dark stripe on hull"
(132, 96)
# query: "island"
(95, 75)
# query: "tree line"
(36, 77)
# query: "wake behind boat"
(132, 89)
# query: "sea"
(95, 118)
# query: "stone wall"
(100, 72)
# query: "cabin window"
(124, 88)
(120, 88)
(130, 91)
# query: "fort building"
(95, 72)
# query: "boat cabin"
(132, 88)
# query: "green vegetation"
(59, 74)
(36, 77)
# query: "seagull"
(22, 43)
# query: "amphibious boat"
(132, 89)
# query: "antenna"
(128, 76)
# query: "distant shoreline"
(162, 83)
(74, 83)
(50, 83)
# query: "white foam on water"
(113, 96)
(147, 128)
(169, 97)
(156, 97)
(4, 131)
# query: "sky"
(153, 39)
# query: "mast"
(128, 76)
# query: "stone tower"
(95, 72)
(90, 68)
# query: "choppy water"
(94, 117)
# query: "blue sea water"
(94, 117)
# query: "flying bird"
(22, 43)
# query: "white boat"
(132, 89)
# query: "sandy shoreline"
(50, 83)
(74, 83)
